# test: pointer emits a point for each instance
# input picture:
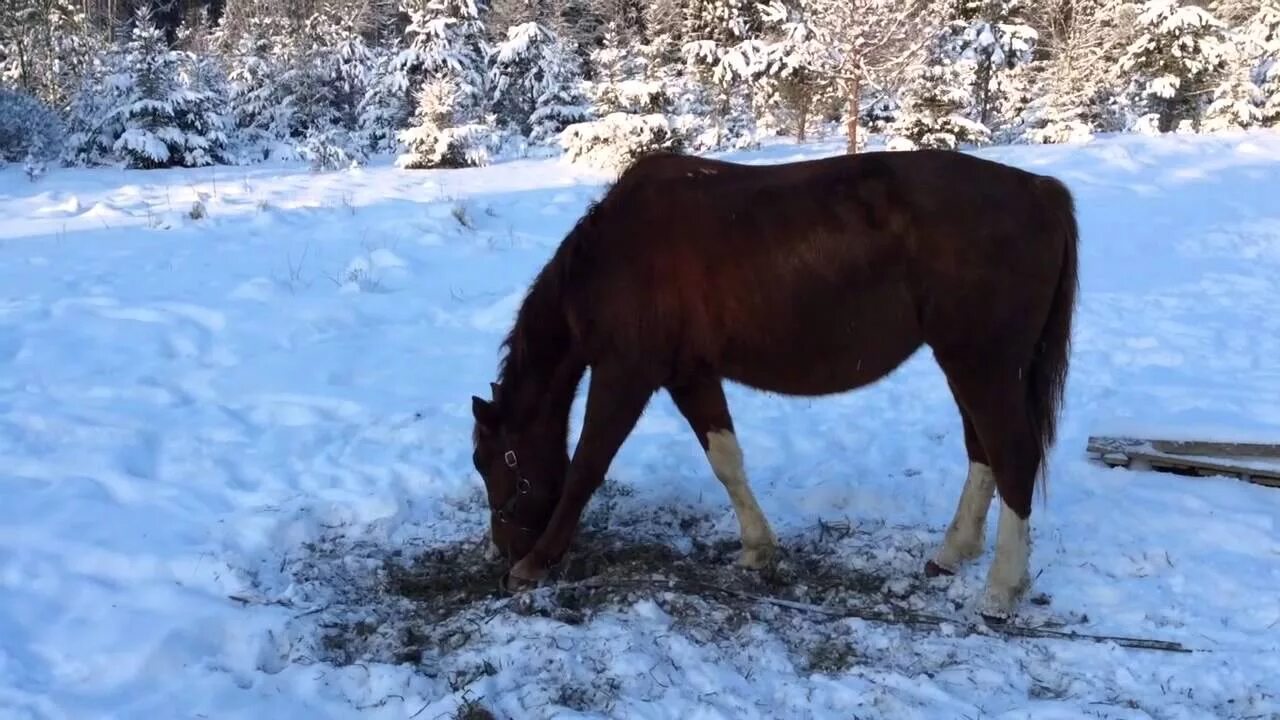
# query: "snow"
(189, 404)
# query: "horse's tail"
(1048, 373)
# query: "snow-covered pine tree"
(722, 46)
(1268, 84)
(880, 113)
(991, 40)
(257, 102)
(536, 78)
(1260, 40)
(1236, 103)
(444, 65)
(876, 43)
(46, 46)
(624, 18)
(630, 98)
(618, 139)
(280, 96)
(330, 77)
(30, 131)
(439, 136)
(934, 110)
(142, 112)
(666, 83)
(797, 64)
(619, 80)
(203, 73)
(937, 102)
(383, 110)
(1179, 57)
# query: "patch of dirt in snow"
(375, 603)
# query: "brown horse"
(806, 278)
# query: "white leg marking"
(758, 541)
(967, 531)
(1009, 575)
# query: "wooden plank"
(1217, 449)
(1191, 447)
(1122, 452)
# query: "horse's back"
(815, 276)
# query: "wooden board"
(1257, 463)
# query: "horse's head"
(523, 471)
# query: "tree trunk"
(802, 122)
(851, 115)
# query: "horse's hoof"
(510, 585)
(995, 617)
(998, 607)
(758, 558)
(529, 570)
(933, 569)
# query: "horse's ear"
(485, 413)
(493, 391)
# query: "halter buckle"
(510, 458)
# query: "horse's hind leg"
(967, 531)
(703, 404)
(996, 402)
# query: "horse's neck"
(543, 396)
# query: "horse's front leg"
(615, 401)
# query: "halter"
(523, 486)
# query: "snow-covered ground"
(191, 401)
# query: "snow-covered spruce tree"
(383, 109)
(934, 107)
(1269, 87)
(30, 132)
(722, 47)
(299, 81)
(1179, 57)
(444, 64)
(536, 78)
(620, 83)
(331, 73)
(46, 46)
(629, 101)
(202, 73)
(439, 136)
(260, 110)
(1260, 40)
(1236, 103)
(937, 102)
(618, 139)
(880, 113)
(797, 65)
(675, 89)
(991, 41)
(138, 110)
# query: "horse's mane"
(540, 332)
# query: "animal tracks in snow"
(189, 332)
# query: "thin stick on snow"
(895, 617)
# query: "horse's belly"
(827, 350)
